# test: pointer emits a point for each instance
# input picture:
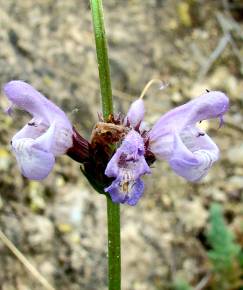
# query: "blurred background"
(170, 240)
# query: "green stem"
(114, 252)
(113, 210)
(102, 57)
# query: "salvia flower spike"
(175, 138)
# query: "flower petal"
(45, 141)
(129, 155)
(210, 105)
(63, 139)
(45, 114)
(130, 195)
(32, 130)
(127, 166)
(193, 165)
(33, 162)
(135, 113)
(47, 135)
(182, 119)
(112, 168)
(29, 99)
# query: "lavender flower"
(127, 166)
(174, 138)
(46, 136)
(135, 114)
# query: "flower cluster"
(175, 138)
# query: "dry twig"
(42, 280)
(203, 283)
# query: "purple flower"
(127, 166)
(46, 136)
(174, 138)
(135, 114)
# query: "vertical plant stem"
(102, 57)
(113, 210)
(114, 252)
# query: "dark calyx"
(95, 155)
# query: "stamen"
(127, 182)
(162, 86)
(126, 187)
